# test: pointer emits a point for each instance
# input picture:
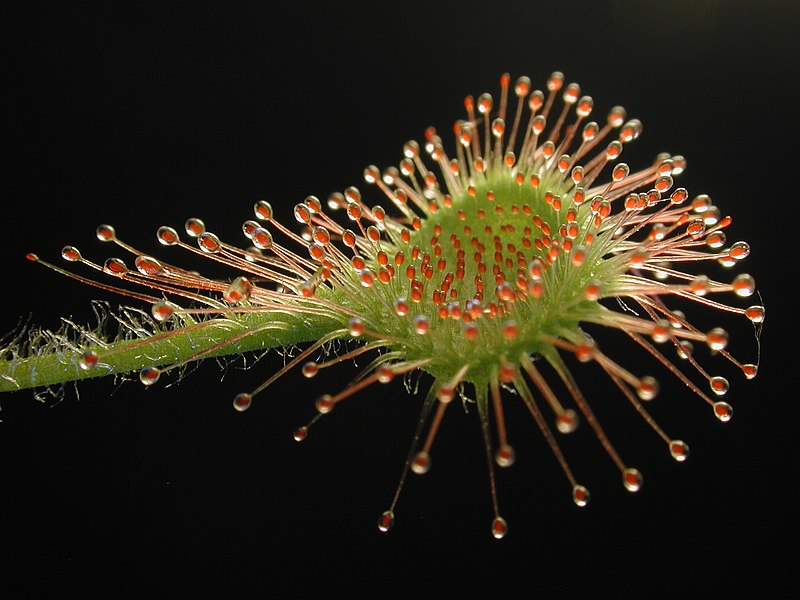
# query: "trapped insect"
(492, 254)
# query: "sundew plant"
(475, 265)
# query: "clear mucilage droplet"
(167, 236)
(162, 311)
(386, 521)
(632, 480)
(679, 450)
(238, 291)
(580, 495)
(147, 265)
(149, 375)
(194, 227)
(499, 527)
(242, 401)
(70, 253)
(106, 233)
(88, 360)
(300, 433)
(421, 463)
(115, 266)
(505, 456)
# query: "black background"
(143, 115)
